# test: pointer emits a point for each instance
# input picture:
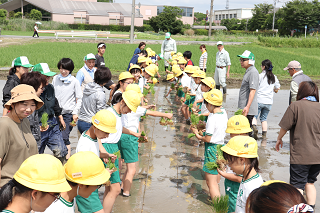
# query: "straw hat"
(23, 92)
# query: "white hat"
(168, 35)
(219, 43)
(89, 56)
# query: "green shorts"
(210, 152)
(112, 148)
(128, 145)
(190, 101)
(90, 204)
(231, 189)
(180, 93)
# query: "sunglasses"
(243, 59)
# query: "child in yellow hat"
(37, 183)
(214, 135)
(170, 78)
(241, 152)
(237, 125)
(125, 78)
(207, 84)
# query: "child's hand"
(194, 130)
(222, 172)
(169, 115)
(113, 157)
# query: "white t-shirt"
(204, 108)
(194, 87)
(216, 127)
(246, 187)
(199, 93)
(265, 91)
(185, 80)
(114, 137)
(132, 119)
(141, 83)
(61, 206)
(86, 143)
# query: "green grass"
(117, 56)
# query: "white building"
(241, 13)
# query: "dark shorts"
(65, 133)
(300, 175)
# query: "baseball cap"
(249, 55)
(43, 68)
(168, 35)
(241, 146)
(21, 61)
(213, 97)
(160, 55)
(89, 56)
(238, 124)
(219, 43)
(293, 64)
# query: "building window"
(235, 15)
(223, 16)
(230, 16)
(159, 10)
(226, 16)
(219, 17)
(216, 17)
(189, 12)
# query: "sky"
(203, 5)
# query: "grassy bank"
(117, 56)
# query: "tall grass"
(117, 56)
(309, 42)
(27, 25)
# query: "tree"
(260, 13)
(35, 14)
(167, 20)
(3, 13)
(18, 15)
(199, 18)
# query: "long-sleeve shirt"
(69, 95)
(223, 58)
(168, 46)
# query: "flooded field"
(169, 174)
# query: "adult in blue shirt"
(86, 73)
(134, 59)
(141, 47)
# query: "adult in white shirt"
(222, 61)
(168, 45)
(268, 83)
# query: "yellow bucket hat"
(86, 168)
(179, 54)
(189, 69)
(105, 121)
(267, 183)
(148, 49)
(44, 173)
(182, 61)
(154, 80)
(242, 146)
(23, 92)
(238, 124)
(174, 57)
(213, 97)
(134, 87)
(148, 61)
(135, 66)
(176, 70)
(141, 59)
(125, 75)
(170, 76)
(196, 68)
(155, 67)
(199, 74)
(132, 99)
(150, 70)
(172, 53)
(209, 82)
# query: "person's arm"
(294, 87)
(129, 132)
(162, 48)
(204, 63)
(112, 87)
(168, 93)
(228, 74)
(0, 169)
(279, 139)
(198, 101)
(80, 77)
(78, 94)
(174, 46)
(251, 96)
(159, 114)
(228, 63)
(230, 176)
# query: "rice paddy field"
(117, 56)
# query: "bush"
(11, 14)
(3, 13)
(189, 32)
(35, 14)
(18, 15)
(27, 25)
(201, 32)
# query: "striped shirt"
(203, 56)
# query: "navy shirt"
(134, 60)
(137, 51)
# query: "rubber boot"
(218, 87)
(255, 132)
(264, 135)
(224, 90)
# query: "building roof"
(69, 7)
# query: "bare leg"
(311, 193)
(127, 180)
(212, 182)
(264, 125)
(110, 195)
(254, 121)
(69, 152)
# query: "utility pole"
(274, 14)
(133, 15)
(210, 20)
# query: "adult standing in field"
(294, 69)
(16, 140)
(222, 61)
(86, 73)
(168, 45)
(203, 58)
(20, 66)
(35, 31)
(302, 119)
(250, 84)
(99, 56)
(141, 46)
(268, 83)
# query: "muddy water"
(169, 175)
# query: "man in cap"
(250, 84)
(99, 56)
(294, 69)
(168, 45)
(222, 61)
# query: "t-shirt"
(134, 60)
(14, 141)
(250, 81)
(114, 137)
(246, 187)
(302, 118)
(202, 57)
(99, 61)
(190, 63)
(204, 108)
(86, 143)
(265, 91)
(131, 120)
(185, 80)
(199, 93)
(61, 206)
(142, 82)
(216, 127)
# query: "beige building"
(91, 11)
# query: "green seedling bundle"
(220, 204)
(163, 121)
(145, 92)
(188, 97)
(220, 162)
(172, 86)
(72, 123)
(197, 122)
(44, 121)
(142, 139)
(238, 112)
(110, 165)
(169, 121)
